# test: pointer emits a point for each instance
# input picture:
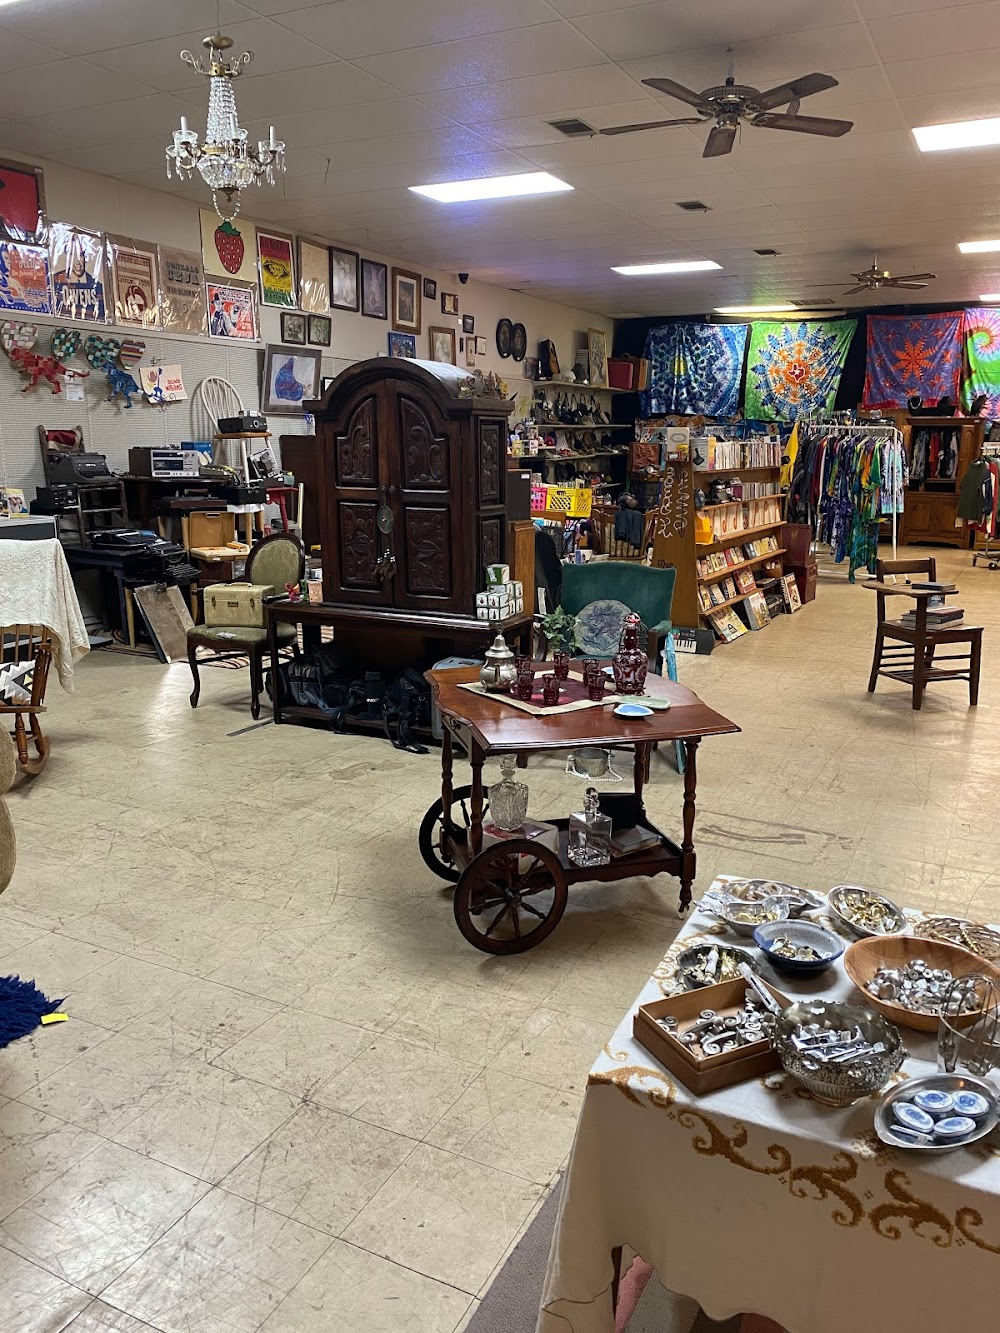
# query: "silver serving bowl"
(753, 890)
(838, 1085)
(730, 959)
(840, 901)
(884, 1118)
(744, 918)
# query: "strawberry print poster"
(231, 312)
(182, 290)
(277, 272)
(133, 268)
(76, 262)
(228, 249)
(24, 278)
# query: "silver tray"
(946, 1083)
(835, 897)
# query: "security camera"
(463, 278)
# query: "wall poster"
(182, 291)
(314, 278)
(231, 312)
(133, 269)
(228, 249)
(22, 202)
(277, 269)
(24, 278)
(76, 262)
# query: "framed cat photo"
(374, 289)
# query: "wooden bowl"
(864, 958)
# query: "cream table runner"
(757, 1198)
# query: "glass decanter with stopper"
(508, 799)
(589, 833)
(630, 663)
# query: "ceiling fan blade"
(675, 90)
(720, 141)
(653, 125)
(784, 93)
(830, 129)
(910, 286)
(914, 277)
(851, 291)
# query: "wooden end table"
(511, 896)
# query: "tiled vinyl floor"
(290, 1097)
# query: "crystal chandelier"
(228, 164)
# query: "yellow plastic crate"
(571, 501)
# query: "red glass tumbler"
(550, 690)
(560, 665)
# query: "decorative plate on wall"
(505, 337)
(519, 342)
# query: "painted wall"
(104, 204)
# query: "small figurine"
(294, 592)
(120, 382)
(36, 367)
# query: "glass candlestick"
(589, 833)
(508, 798)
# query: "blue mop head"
(22, 1005)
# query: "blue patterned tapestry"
(913, 354)
(694, 369)
(794, 370)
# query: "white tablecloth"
(757, 1198)
(36, 588)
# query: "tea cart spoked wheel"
(433, 845)
(511, 897)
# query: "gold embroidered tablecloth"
(757, 1198)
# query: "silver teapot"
(498, 673)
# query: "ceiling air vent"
(693, 206)
(767, 251)
(573, 128)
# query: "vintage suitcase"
(236, 604)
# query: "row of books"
(729, 625)
(733, 519)
(712, 455)
(710, 564)
(740, 584)
(756, 490)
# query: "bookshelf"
(745, 538)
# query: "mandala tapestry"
(981, 336)
(913, 354)
(794, 370)
(695, 369)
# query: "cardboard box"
(704, 1074)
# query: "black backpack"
(407, 703)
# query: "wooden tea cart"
(511, 896)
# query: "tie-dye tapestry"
(981, 336)
(695, 369)
(913, 354)
(794, 370)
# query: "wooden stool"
(912, 659)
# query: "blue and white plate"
(633, 710)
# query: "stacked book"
(939, 614)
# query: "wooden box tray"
(704, 1074)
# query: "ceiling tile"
(120, 122)
(542, 49)
(274, 50)
(314, 89)
(76, 28)
(20, 136)
(370, 27)
(594, 86)
(936, 32)
(415, 147)
(939, 74)
(355, 123)
(937, 108)
(62, 85)
(18, 52)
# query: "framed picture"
(430, 289)
(22, 202)
(406, 289)
(529, 367)
(314, 278)
(24, 278)
(136, 282)
(182, 290)
(374, 289)
(597, 347)
(76, 267)
(291, 378)
(232, 312)
(442, 344)
(293, 327)
(449, 303)
(468, 323)
(324, 383)
(228, 249)
(470, 351)
(319, 330)
(276, 266)
(344, 279)
(481, 345)
(403, 344)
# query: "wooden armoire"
(931, 502)
(410, 499)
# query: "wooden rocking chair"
(24, 643)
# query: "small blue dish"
(633, 710)
(826, 944)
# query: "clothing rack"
(892, 472)
(987, 546)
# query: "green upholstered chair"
(274, 561)
(646, 591)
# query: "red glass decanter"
(630, 663)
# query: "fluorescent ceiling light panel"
(681, 266)
(991, 296)
(493, 187)
(978, 247)
(959, 134)
(779, 308)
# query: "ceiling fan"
(872, 279)
(733, 102)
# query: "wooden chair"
(912, 659)
(28, 643)
(273, 562)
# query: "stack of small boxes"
(503, 597)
